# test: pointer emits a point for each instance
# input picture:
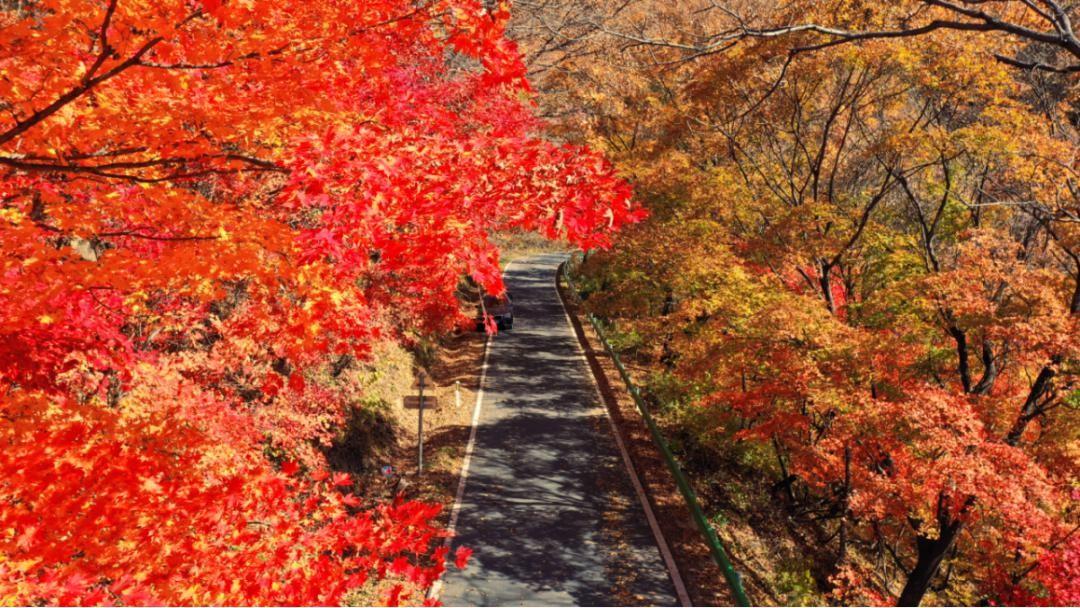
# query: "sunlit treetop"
(209, 211)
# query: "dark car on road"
(501, 309)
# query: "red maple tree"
(207, 210)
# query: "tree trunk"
(1032, 407)
(826, 286)
(964, 364)
(990, 370)
(931, 553)
(1044, 382)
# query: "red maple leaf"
(461, 557)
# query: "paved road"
(548, 506)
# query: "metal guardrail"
(716, 547)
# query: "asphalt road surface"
(548, 508)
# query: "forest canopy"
(863, 256)
(208, 212)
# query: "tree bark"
(931, 553)
(826, 286)
(1032, 406)
(964, 364)
(990, 370)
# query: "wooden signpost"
(418, 404)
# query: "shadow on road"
(548, 507)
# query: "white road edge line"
(455, 510)
(661, 542)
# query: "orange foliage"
(207, 210)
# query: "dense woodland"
(210, 214)
(862, 264)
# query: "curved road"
(548, 507)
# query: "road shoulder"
(704, 580)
